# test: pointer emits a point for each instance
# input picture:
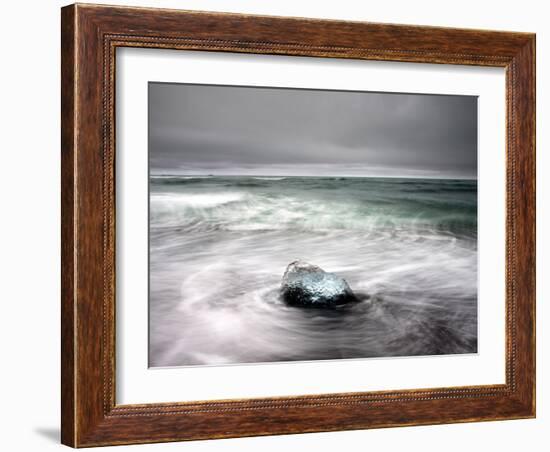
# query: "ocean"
(219, 247)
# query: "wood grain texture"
(68, 147)
(90, 36)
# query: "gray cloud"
(231, 130)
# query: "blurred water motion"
(220, 245)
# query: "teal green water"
(220, 245)
(309, 203)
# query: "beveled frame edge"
(90, 35)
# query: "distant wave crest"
(316, 206)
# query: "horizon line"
(317, 176)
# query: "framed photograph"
(280, 225)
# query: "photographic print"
(294, 224)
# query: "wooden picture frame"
(90, 35)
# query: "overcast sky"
(205, 129)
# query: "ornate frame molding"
(90, 36)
